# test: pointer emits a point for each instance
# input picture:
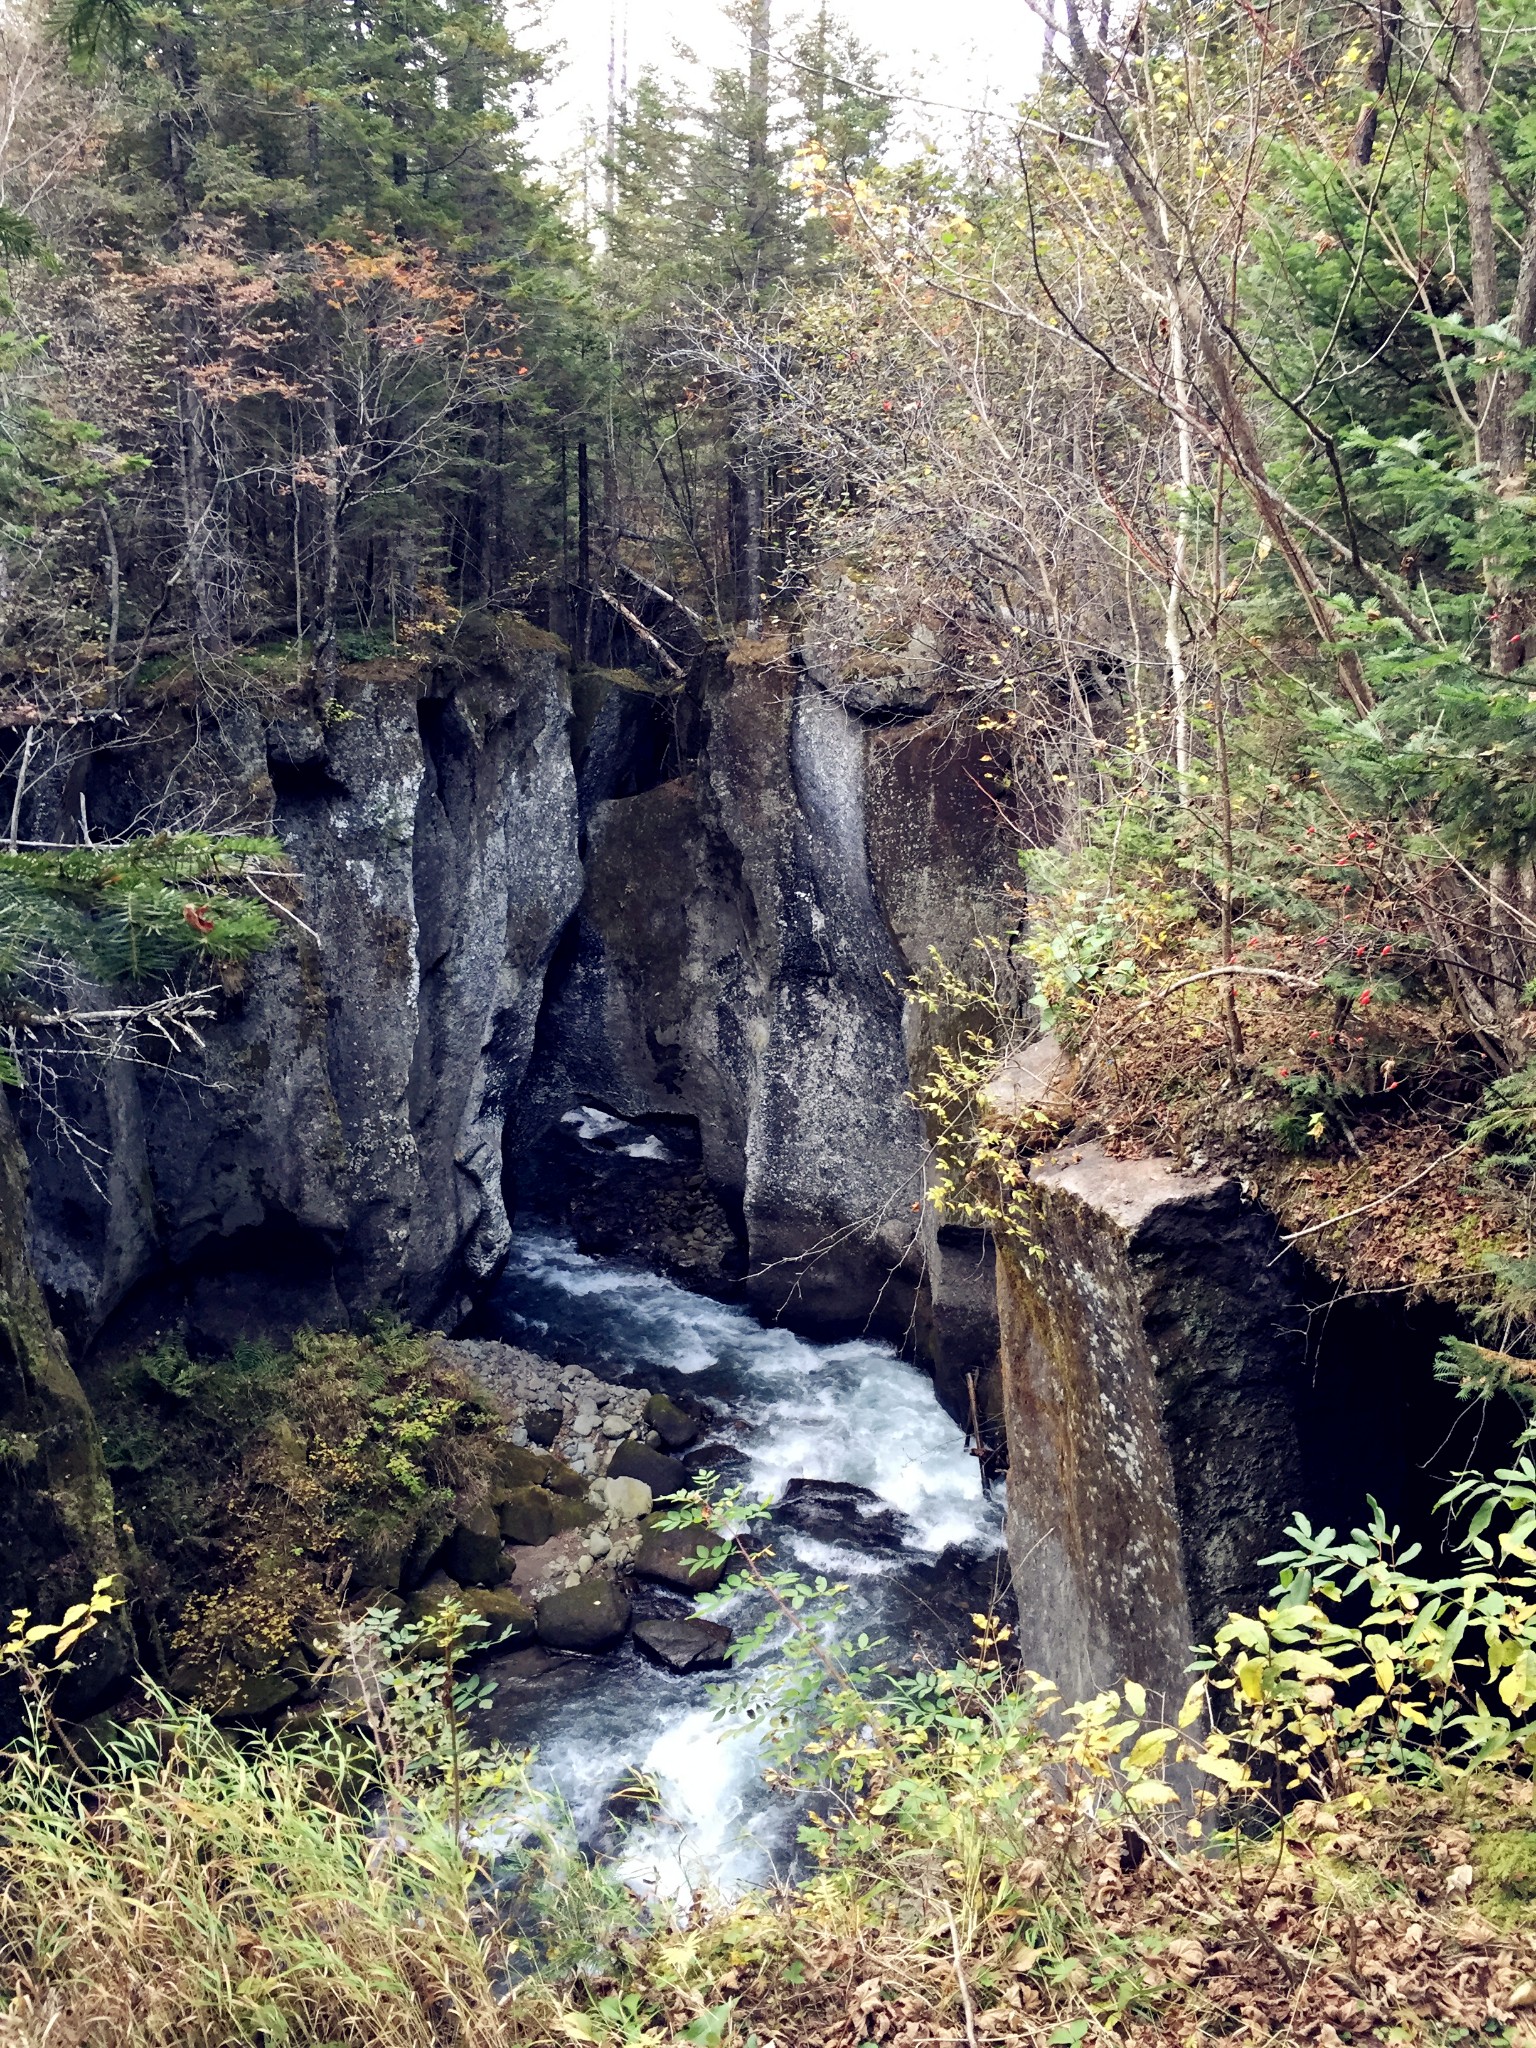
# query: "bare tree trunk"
(298, 552)
(1237, 437)
(750, 599)
(1492, 396)
(583, 551)
(24, 762)
(114, 598)
(1178, 582)
(204, 556)
(330, 539)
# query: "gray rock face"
(685, 1645)
(755, 868)
(1153, 1371)
(663, 1475)
(56, 1530)
(670, 1556)
(738, 968)
(338, 1146)
(674, 1425)
(473, 1554)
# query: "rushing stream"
(918, 1557)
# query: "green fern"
(1479, 1373)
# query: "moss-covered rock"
(527, 1515)
(430, 1596)
(256, 1481)
(56, 1510)
(542, 1425)
(532, 1514)
(229, 1692)
(591, 1616)
(1506, 1868)
(673, 1424)
(508, 1619)
(671, 1554)
(634, 1460)
(473, 1553)
(518, 1465)
(491, 1614)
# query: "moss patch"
(260, 1486)
(1506, 1868)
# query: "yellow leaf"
(1150, 1792)
(1147, 1751)
(1226, 1768)
(1250, 1677)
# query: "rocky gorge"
(628, 959)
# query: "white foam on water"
(854, 1412)
(839, 1560)
(711, 1834)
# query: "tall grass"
(195, 1892)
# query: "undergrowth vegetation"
(1332, 1839)
(261, 1486)
(1275, 1008)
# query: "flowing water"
(917, 1558)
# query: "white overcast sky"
(981, 54)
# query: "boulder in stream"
(629, 1499)
(663, 1475)
(684, 1645)
(673, 1424)
(667, 1554)
(591, 1616)
(836, 1512)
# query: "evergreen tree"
(354, 321)
(707, 242)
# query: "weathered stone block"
(685, 1645)
(473, 1554)
(673, 1424)
(663, 1475)
(668, 1555)
(1152, 1367)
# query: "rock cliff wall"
(56, 1530)
(733, 988)
(1154, 1366)
(338, 1147)
(526, 896)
